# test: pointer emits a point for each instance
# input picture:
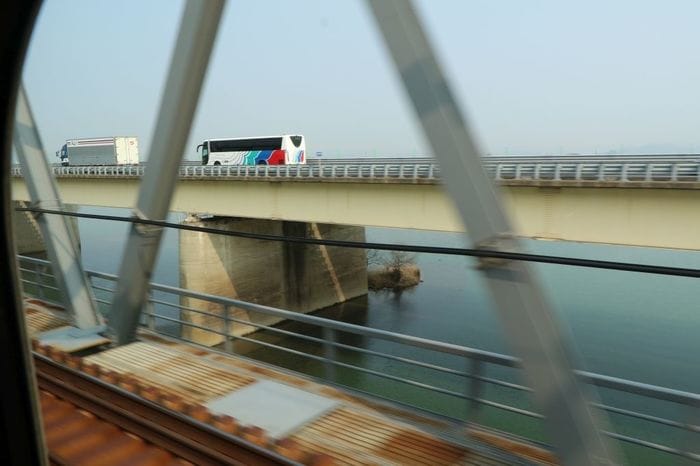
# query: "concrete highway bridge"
(631, 200)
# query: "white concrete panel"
(71, 339)
(275, 407)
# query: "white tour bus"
(271, 150)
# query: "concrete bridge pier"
(296, 277)
(28, 238)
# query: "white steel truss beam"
(200, 22)
(531, 327)
(60, 240)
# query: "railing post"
(329, 353)
(228, 341)
(557, 172)
(647, 176)
(150, 312)
(691, 430)
(39, 280)
(674, 172)
(623, 175)
(475, 389)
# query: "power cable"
(482, 253)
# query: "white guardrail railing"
(502, 169)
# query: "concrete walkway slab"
(277, 408)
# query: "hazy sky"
(533, 76)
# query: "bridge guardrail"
(648, 171)
(328, 344)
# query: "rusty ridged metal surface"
(188, 432)
(349, 435)
(40, 320)
(183, 378)
(172, 371)
(357, 438)
(76, 437)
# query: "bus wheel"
(217, 163)
(261, 162)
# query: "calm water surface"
(636, 326)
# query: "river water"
(635, 326)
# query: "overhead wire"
(467, 252)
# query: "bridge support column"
(297, 277)
(28, 237)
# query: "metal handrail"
(504, 170)
(329, 343)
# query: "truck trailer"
(117, 150)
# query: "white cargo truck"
(116, 150)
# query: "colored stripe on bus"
(249, 157)
(276, 157)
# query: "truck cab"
(63, 155)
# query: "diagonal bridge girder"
(531, 326)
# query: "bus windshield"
(205, 152)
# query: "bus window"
(296, 140)
(245, 145)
